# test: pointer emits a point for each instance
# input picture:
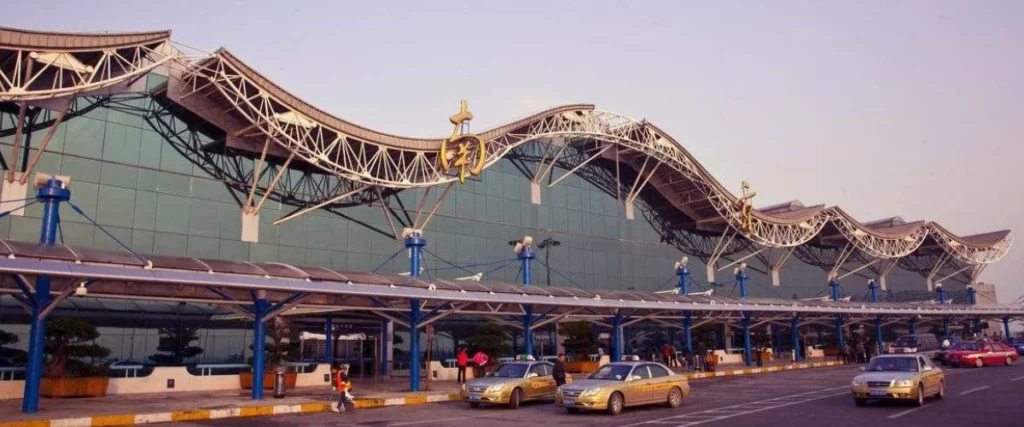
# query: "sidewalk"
(194, 406)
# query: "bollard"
(279, 383)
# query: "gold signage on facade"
(462, 144)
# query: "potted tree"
(580, 341)
(69, 342)
(277, 352)
(175, 345)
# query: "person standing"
(666, 354)
(559, 370)
(479, 359)
(461, 361)
(673, 356)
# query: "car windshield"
(611, 372)
(971, 346)
(906, 342)
(509, 370)
(893, 364)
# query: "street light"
(545, 244)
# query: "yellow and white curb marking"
(212, 414)
(309, 408)
(753, 371)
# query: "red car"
(982, 353)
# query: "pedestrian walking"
(479, 360)
(461, 361)
(559, 370)
(344, 387)
(674, 356)
(862, 357)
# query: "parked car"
(906, 377)
(512, 383)
(915, 343)
(1018, 345)
(615, 386)
(942, 356)
(981, 353)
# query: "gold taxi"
(909, 377)
(617, 385)
(511, 384)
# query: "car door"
(661, 382)
(929, 375)
(992, 355)
(536, 382)
(549, 380)
(638, 389)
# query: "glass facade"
(151, 190)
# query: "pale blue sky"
(912, 108)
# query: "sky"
(911, 108)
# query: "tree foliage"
(580, 339)
(10, 355)
(280, 349)
(69, 342)
(176, 342)
(491, 339)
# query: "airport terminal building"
(207, 161)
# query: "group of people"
(856, 352)
(700, 360)
(462, 362)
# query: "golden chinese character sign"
(462, 144)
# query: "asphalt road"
(988, 397)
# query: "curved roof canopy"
(258, 115)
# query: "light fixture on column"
(682, 262)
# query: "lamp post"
(545, 244)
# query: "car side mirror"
(532, 375)
(863, 368)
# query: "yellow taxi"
(512, 383)
(909, 377)
(615, 386)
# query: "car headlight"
(590, 392)
(495, 388)
(905, 383)
(857, 382)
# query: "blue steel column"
(873, 287)
(687, 337)
(526, 255)
(720, 336)
(1006, 329)
(913, 325)
(746, 339)
(794, 328)
(972, 294)
(834, 287)
(741, 279)
(385, 339)
(259, 341)
(51, 196)
(840, 342)
(617, 338)
(329, 332)
(415, 243)
(684, 288)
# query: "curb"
(315, 407)
(753, 371)
(242, 411)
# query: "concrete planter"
(268, 380)
(74, 387)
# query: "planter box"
(582, 367)
(74, 387)
(268, 380)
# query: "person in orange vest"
(344, 386)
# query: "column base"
(250, 227)
(13, 194)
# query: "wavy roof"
(258, 110)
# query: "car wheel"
(941, 394)
(517, 396)
(615, 404)
(675, 397)
(474, 404)
(920, 395)
(1009, 360)
(979, 363)
(860, 402)
(572, 410)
